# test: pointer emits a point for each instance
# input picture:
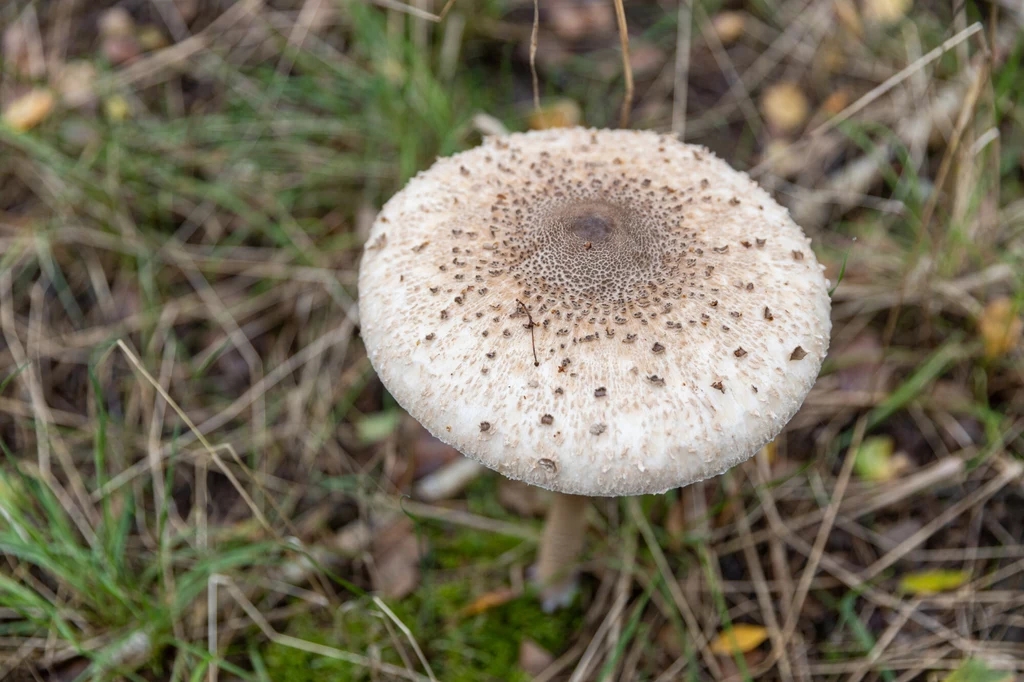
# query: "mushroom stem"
(564, 532)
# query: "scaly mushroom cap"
(594, 312)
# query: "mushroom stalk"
(564, 532)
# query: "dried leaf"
(876, 461)
(396, 554)
(29, 110)
(977, 670)
(785, 106)
(729, 26)
(930, 582)
(564, 113)
(742, 638)
(1000, 326)
(886, 11)
(836, 102)
(489, 600)
(533, 658)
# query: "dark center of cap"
(592, 226)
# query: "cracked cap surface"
(596, 312)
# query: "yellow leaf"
(490, 600)
(743, 638)
(116, 108)
(976, 670)
(785, 106)
(875, 460)
(564, 113)
(729, 26)
(1000, 327)
(886, 11)
(151, 38)
(930, 582)
(29, 110)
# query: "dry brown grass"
(206, 458)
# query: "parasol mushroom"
(595, 312)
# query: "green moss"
(479, 648)
(452, 551)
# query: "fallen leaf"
(533, 658)
(116, 108)
(784, 106)
(876, 461)
(977, 670)
(930, 582)
(836, 102)
(742, 638)
(376, 427)
(151, 38)
(1000, 326)
(29, 110)
(886, 11)
(564, 113)
(396, 554)
(729, 26)
(489, 600)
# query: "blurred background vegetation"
(203, 478)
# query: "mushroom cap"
(676, 312)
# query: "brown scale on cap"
(596, 259)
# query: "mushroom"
(595, 312)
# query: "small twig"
(682, 69)
(627, 102)
(530, 326)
